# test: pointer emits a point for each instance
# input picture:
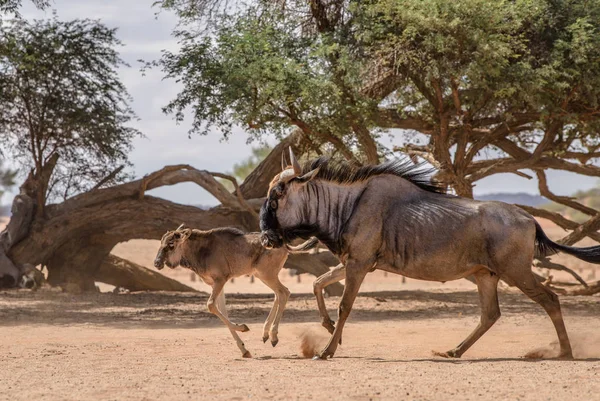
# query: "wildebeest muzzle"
(270, 236)
(271, 239)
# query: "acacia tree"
(64, 111)
(495, 87)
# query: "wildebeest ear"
(308, 176)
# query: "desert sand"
(166, 346)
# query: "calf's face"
(169, 252)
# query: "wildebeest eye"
(273, 204)
(278, 190)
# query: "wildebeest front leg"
(487, 286)
(217, 288)
(223, 309)
(336, 274)
(355, 274)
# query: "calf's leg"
(217, 288)
(282, 295)
(223, 309)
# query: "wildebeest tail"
(544, 246)
(305, 246)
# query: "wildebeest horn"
(295, 164)
(283, 161)
(181, 227)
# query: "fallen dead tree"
(73, 239)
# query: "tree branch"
(547, 264)
(237, 192)
(563, 200)
(109, 177)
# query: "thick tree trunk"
(73, 265)
(257, 182)
(23, 209)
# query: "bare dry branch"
(109, 177)
(563, 200)
(237, 192)
(547, 264)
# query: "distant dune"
(519, 198)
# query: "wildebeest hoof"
(265, 338)
(448, 354)
(274, 342)
(244, 328)
(247, 354)
(325, 354)
(543, 353)
(566, 356)
(318, 358)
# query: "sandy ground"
(166, 346)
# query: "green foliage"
(61, 94)
(511, 56)
(244, 168)
(465, 73)
(259, 71)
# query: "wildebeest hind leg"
(222, 307)
(549, 301)
(487, 287)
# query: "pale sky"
(144, 35)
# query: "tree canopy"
(493, 86)
(478, 77)
(64, 112)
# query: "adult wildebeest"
(221, 254)
(392, 217)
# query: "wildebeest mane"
(344, 173)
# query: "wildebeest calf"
(221, 254)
